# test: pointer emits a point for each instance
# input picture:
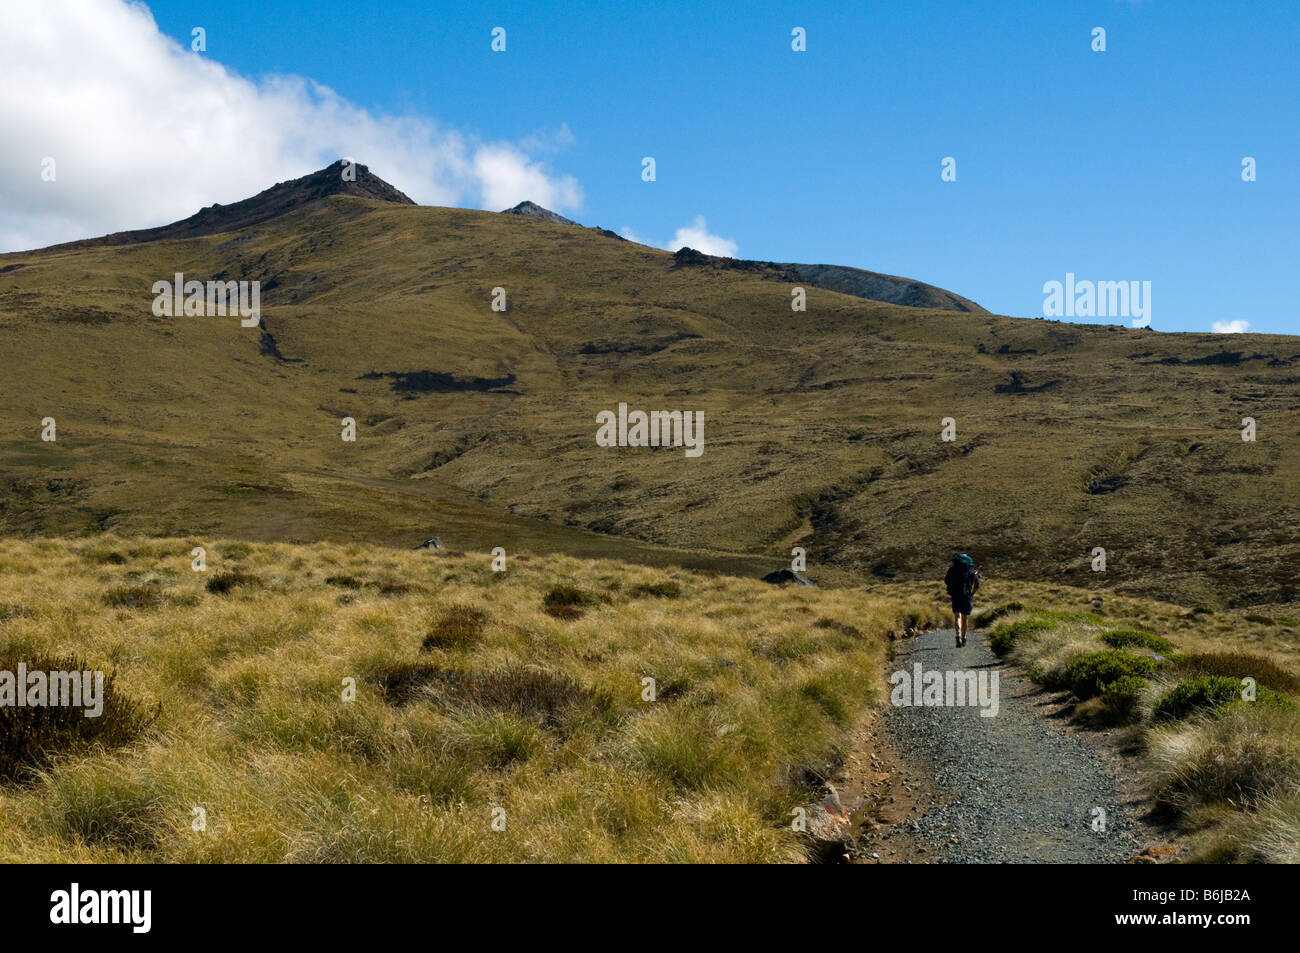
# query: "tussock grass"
(663, 590)
(224, 582)
(458, 627)
(1006, 635)
(469, 697)
(1275, 837)
(1238, 665)
(1239, 756)
(981, 620)
(133, 597)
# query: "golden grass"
(508, 708)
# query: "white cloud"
(507, 176)
(1230, 327)
(144, 132)
(697, 236)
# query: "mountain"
(850, 281)
(533, 210)
(822, 428)
(277, 200)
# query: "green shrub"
(1133, 638)
(404, 682)
(32, 736)
(1087, 676)
(1119, 699)
(1209, 692)
(1006, 635)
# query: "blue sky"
(1122, 165)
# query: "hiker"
(962, 582)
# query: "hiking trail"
(938, 784)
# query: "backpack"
(962, 578)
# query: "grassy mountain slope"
(822, 428)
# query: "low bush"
(1209, 692)
(1134, 638)
(1087, 676)
(33, 735)
(1118, 701)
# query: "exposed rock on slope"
(870, 285)
(878, 287)
(533, 210)
(277, 200)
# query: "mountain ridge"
(290, 195)
(477, 423)
(279, 199)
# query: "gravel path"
(1016, 787)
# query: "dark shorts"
(963, 606)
